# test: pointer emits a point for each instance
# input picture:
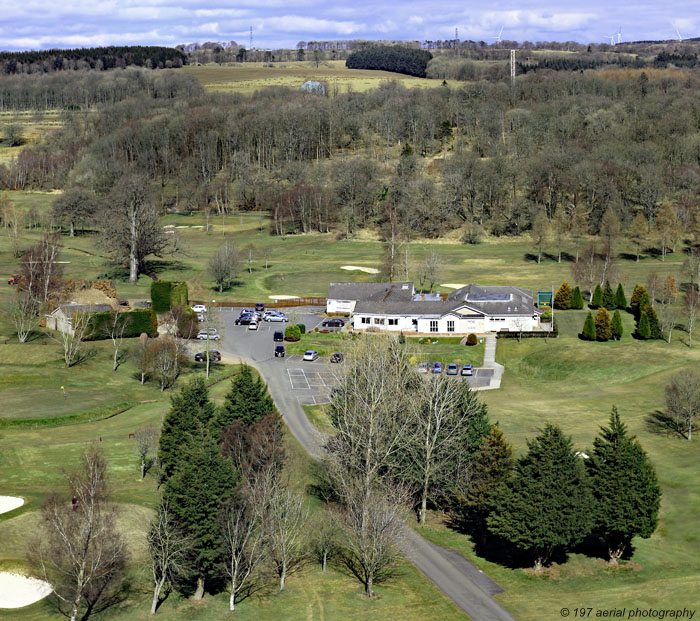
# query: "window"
(364, 319)
(433, 326)
(393, 322)
(378, 321)
(450, 326)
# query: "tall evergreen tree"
(246, 401)
(562, 298)
(588, 333)
(597, 300)
(654, 325)
(608, 297)
(577, 298)
(490, 468)
(203, 482)
(617, 329)
(620, 299)
(190, 409)
(603, 329)
(636, 302)
(625, 488)
(547, 504)
(643, 330)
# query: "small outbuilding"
(61, 319)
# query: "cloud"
(299, 24)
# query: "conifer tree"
(625, 488)
(643, 330)
(608, 297)
(490, 468)
(597, 300)
(637, 298)
(603, 328)
(562, 298)
(202, 484)
(246, 401)
(620, 299)
(589, 333)
(190, 409)
(654, 325)
(547, 504)
(616, 327)
(577, 298)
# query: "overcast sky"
(41, 24)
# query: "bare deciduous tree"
(540, 232)
(683, 400)
(245, 546)
(78, 549)
(430, 269)
(72, 340)
(224, 265)
(325, 537)
(12, 219)
(24, 312)
(162, 360)
(146, 443)
(691, 304)
(114, 329)
(169, 549)
(40, 267)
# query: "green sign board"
(544, 299)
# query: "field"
(564, 380)
(246, 78)
(32, 127)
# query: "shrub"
(608, 297)
(603, 328)
(140, 321)
(617, 325)
(577, 298)
(165, 294)
(654, 325)
(546, 316)
(620, 299)
(402, 339)
(292, 334)
(302, 328)
(562, 298)
(588, 333)
(636, 302)
(597, 300)
(472, 340)
(643, 330)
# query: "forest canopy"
(391, 58)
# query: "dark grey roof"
(71, 309)
(495, 300)
(376, 291)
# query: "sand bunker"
(452, 285)
(357, 268)
(8, 503)
(283, 297)
(17, 590)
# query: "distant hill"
(98, 58)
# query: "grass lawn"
(246, 78)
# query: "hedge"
(140, 321)
(165, 294)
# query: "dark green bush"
(165, 294)
(140, 321)
(292, 334)
(472, 340)
(302, 328)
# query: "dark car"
(333, 323)
(278, 337)
(437, 367)
(214, 356)
(337, 357)
(259, 306)
(280, 351)
(244, 320)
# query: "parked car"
(204, 336)
(259, 306)
(200, 317)
(278, 337)
(437, 367)
(246, 311)
(452, 369)
(214, 356)
(199, 308)
(333, 323)
(280, 318)
(467, 369)
(422, 367)
(253, 325)
(209, 330)
(280, 351)
(244, 320)
(310, 355)
(336, 357)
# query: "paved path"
(466, 585)
(490, 363)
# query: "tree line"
(398, 59)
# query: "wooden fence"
(268, 303)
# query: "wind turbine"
(619, 35)
(680, 38)
(498, 38)
(612, 39)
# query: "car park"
(214, 356)
(437, 367)
(208, 336)
(467, 369)
(336, 357)
(253, 325)
(333, 323)
(310, 355)
(452, 369)
(278, 337)
(280, 351)
(199, 308)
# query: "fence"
(268, 304)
